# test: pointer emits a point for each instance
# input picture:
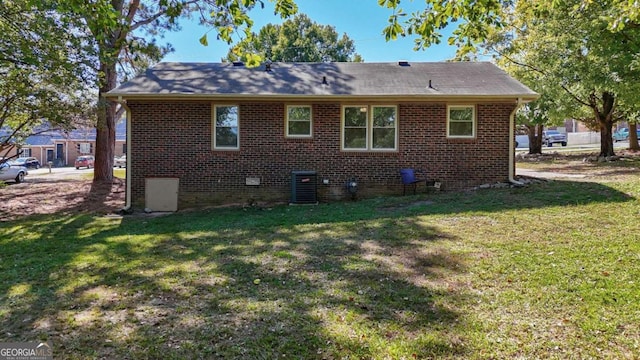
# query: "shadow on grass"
(48, 196)
(357, 280)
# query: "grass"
(546, 271)
(117, 173)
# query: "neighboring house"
(62, 148)
(224, 133)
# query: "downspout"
(512, 139)
(127, 191)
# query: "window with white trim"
(299, 123)
(372, 128)
(461, 121)
(226, 125)
(85, 148)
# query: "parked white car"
(10, 172)
(522, 141)
(120, 161)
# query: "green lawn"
(117, 173)
(549, 271)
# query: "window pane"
(227, 116)
(461, 121)
(384, 138)
(226, 126)
(461, 129)
(299, 121)
(384, 116)
(300, 113)
(461, 114)
(355, 138)
(226, 137)
(355, 116)
(299, 128)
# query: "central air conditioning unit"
(304, 187)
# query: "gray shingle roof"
(50, 137)
(448, 79)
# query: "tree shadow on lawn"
(350, 280)
(325, 289)
(60, 196)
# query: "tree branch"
(574, 96)
(152, 18)
(564, 87)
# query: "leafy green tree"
(537, 115)
(571, 54)
(40, 72)
(119, 32)
(297, 40)
(474, 20)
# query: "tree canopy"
(41, 71)
(571, 54)
(298, 39)
(51, 50)
(123, 33)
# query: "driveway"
(547, 174)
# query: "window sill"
(464, 140)
(370, 152)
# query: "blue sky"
(361, 20)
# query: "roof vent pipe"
(267, 66)
(324, 80)
(403, 63)
(430, 86)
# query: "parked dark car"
(28, 162)
(550, 137)
(85, 161)
(10, 172)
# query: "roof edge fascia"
(320, 98)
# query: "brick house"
(225, 133)
(61, 148)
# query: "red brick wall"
(173, 139)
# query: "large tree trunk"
(535, 138)
(605, 120)
(633, 136)
(606, 139)
(106, 127)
